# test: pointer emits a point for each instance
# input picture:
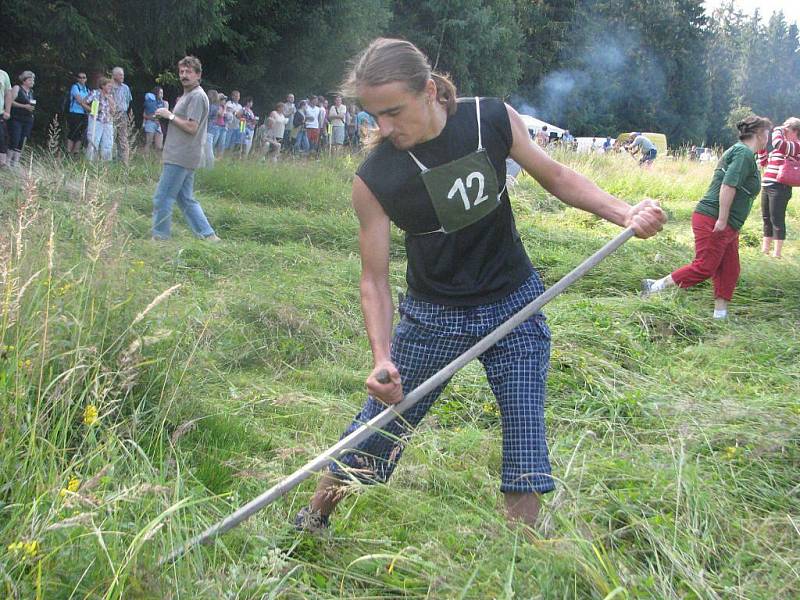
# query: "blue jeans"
(648, 156)
(177, 183)
(217, 134)
(301, 143)
(233, 137)
(101, 139)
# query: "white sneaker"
(720, 314)
(212, 238)
(647, 287)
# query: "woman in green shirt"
(719, 216)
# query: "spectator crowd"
(101, 124)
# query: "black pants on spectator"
(18, 132)
(3, 136)
(774, 199)
(76, 126)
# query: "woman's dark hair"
(387, 60)
(157, 89)
(750, 126)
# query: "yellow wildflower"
(72, 487)
(731, 452)
(25, 364)
(490, 408)
(30, 548)
(74, 484)
(90, 415)
(64, 289)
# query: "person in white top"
(312, 123)
(351, 124)
(233, 112)
(289, 109)
(337, 115)
(276, 127)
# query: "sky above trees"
(790, 8)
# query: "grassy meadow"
(148, 389)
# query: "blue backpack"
(150, 103)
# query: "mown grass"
(215, 370)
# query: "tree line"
(593, 66)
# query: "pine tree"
(479, 42)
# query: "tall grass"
(146, 390)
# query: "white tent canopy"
(534, 125)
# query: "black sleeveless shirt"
(23, 97)
(479, 264)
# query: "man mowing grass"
(436, 173)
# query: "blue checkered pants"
(428, 337)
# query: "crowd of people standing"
(101, 117)
(100, 122)
(302, 128)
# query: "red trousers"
(716, 256)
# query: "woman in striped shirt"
(775, 196)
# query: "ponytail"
(750, 126)
(445, 92)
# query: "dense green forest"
(594, 66)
